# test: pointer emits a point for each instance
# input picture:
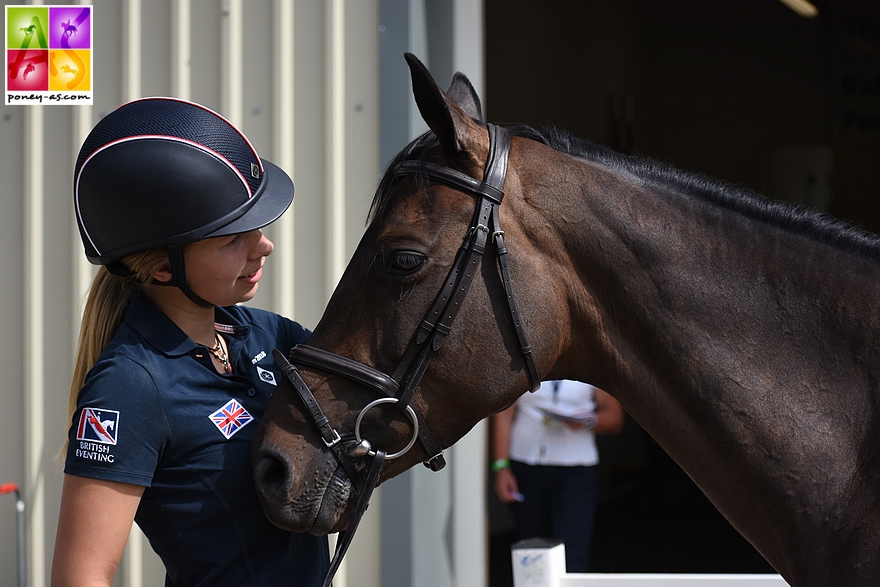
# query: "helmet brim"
(275, 199)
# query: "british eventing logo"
(231, 418)
(98, 425)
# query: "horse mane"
(809, 223)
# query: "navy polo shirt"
(155, 412)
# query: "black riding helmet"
(164, 172)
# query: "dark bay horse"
(742, 334)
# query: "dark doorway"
(748, 92)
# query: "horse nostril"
(273, 476)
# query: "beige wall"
(300, 77)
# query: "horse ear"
(463, 93)
(449, 120)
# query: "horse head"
(386, 315)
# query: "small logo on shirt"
(231, 418)
(266, 376)
(98, 425)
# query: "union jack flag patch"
(98, 425)
(231, 418)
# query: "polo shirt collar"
(145, 318)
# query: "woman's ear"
(163, 274)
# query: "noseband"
(432, 332)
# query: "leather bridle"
(398, 388)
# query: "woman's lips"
(253, 277)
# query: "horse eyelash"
(370, 268)
(404, 293)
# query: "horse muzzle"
(317, 502)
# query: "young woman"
(172, 376)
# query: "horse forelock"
(417, 149)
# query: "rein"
(432, 332)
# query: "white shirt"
(539, 438)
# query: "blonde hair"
(104, 313)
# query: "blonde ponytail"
(104, 313)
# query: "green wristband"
(500, 464)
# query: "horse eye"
(402, 263)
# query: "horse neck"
(660, 265)
(721, 333)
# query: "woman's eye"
(403, 263)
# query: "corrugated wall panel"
(263, 64)
(309, 102)
(283, 232)
(34, 481)
(12, 432)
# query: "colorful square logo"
(48, 54)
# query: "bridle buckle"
(333, 441)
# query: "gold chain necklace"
(220, 354)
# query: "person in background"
(545, 461)
(172, 376)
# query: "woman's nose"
(263, 247)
